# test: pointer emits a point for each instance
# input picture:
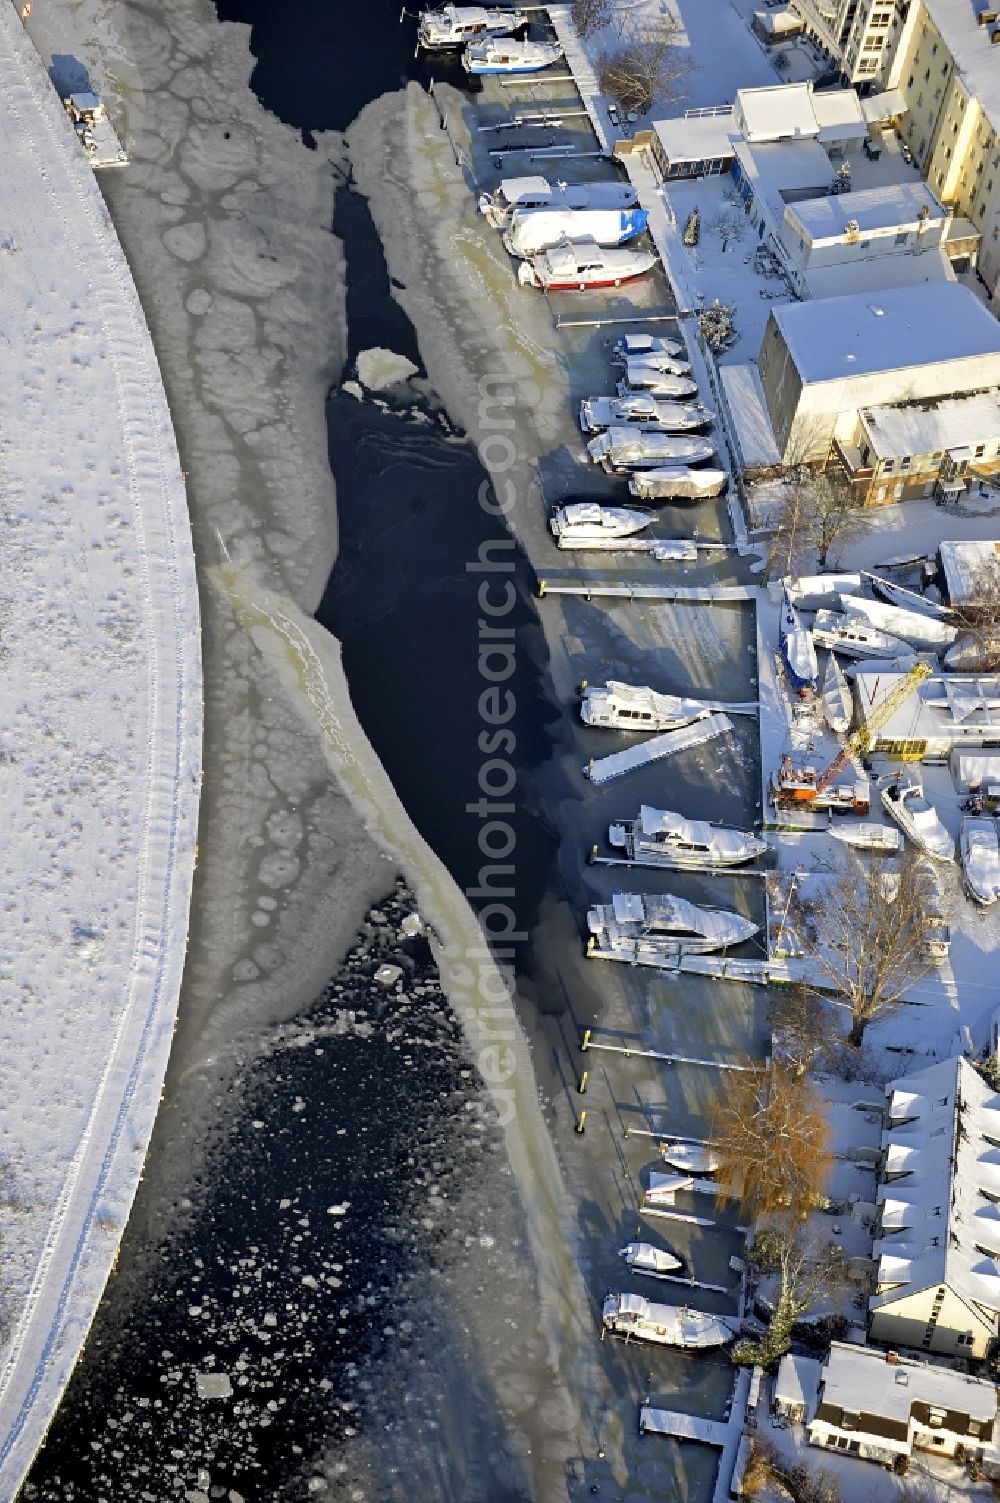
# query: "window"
(889, 466)
(902, 237)
(980, 450)
(872, 44)
(973, 1427)
(849, 1419)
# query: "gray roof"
(896, 329)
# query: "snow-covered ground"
(101, 745)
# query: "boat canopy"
(668, 914)
(664, 823)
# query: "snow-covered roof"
(894, 206)
(975, 56)
(870, 274)
(839, 116)
(902, 327)
(943, 1218)
(748, 411)
(942, 706)
(797, 1380)
(964, 564)
(863, 1380)
(931, 427)
(695, 138)
(775, 168)
(777, 112)
(878, 108)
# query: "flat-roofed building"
(821, 362)
(946, 711)
(695, 145)
(936, 447)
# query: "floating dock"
(693, 594)
(657, 747)
(682, 1426)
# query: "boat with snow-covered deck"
(641, 373)
(659, 837)
(677, 483)
(910, 600)
(979, 854)
(853, 637)
(507, 55)
(636, 1319)
(516, 193)
(643, 410)
(797, 648)
(903, 800)
(648, 928)
(581, 266)
(532, 231)
(912, 627)
(635, 707)
(690, 1158)
(835, 697)
(868, 836)
(655, 1262)
(582, 524)
(618, 450)
(452, 26)
(647, 347)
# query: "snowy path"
(101, 746)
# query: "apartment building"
(860, 37)
(947, 70)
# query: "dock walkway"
(603, 769)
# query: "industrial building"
(946, 711)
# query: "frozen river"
(352, 1272)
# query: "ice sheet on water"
(379, 369)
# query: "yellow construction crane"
(804, 785)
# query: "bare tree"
(649, 64)
(768, 1129)
(591, 15)
(768, 1466)
(817, 514)
(799, 1027)
(807, 1268)
(872, 936)
(978, 617)
(729, 225)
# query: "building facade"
(920, 449)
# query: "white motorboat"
(797, 648)
(645, 373)
(648, 347)
(661, 838)
(853, 637)
(582, 265)
(534, 230)
(816, 592)
(656, 1262)
(677, 483)
(692, 1158)
(455, 25)
(904, 802)
(869, 837)
(909, 626)
(509, 55)
(636, 1319)
(678, 388)
(634, 707)
(586, 524)
(618, 450)
(649, 928)
(979, 853)
(642, 410)
(514, 193)
(835, 697)
(910, 600)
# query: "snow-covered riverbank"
(101, 733)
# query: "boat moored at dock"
(534, 230)
(677, 483)
(640, 373)
(647, 347)
(582, 265)
(659, 837)
(635, 1318)
(618, 450)
(616, 706)
(690, 1158)
(499, 55)
(644, 411)
(584, 524)
(643, 1257)
(516, 193)
(648, 928)
(453, 26)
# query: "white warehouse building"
(821, 362)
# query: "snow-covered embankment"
(100, 727)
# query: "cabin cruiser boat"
(508, 55)
(533, 230)
(642, 410)
(816, 592)
(455, 25)
(797, 648)
(632, 707)
(642, 1257)
(618, 450)
(979, 853)
(516, 193)
(643, 373)
(917, 630)
(910, 600)
(692, 1158)
(581, 265)
(653, 927)
(633, 1317)
(869, 837)
(853, 637)
(835, 697)
(905, 803)
(647, 347)
(663, 1189)
(677, 483)
(661, 838)
(586, 524)
(659, 384)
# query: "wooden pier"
(693, 594)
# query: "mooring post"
(585, 1042)
(581, 1123)
(581, 1088)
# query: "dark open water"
(271, 1282)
